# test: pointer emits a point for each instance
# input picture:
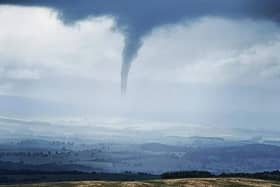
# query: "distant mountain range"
(199, 153)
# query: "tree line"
(267, 175)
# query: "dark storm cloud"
(136, 18)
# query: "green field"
(191, 182)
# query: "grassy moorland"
(191, 182)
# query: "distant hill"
(152, 158)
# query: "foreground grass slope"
(191, 182)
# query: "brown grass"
(202, 182)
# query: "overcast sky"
(217, 65)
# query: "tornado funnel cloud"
(124, 76)
(131, 47)
(136, 19)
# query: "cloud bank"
(210, 70)
(137, 19)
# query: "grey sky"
(212, 71)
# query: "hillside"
(199, 182)
(155, 158)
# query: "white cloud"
(36, 44)
(80, 64)
(211, 50)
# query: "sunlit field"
(201, 182)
